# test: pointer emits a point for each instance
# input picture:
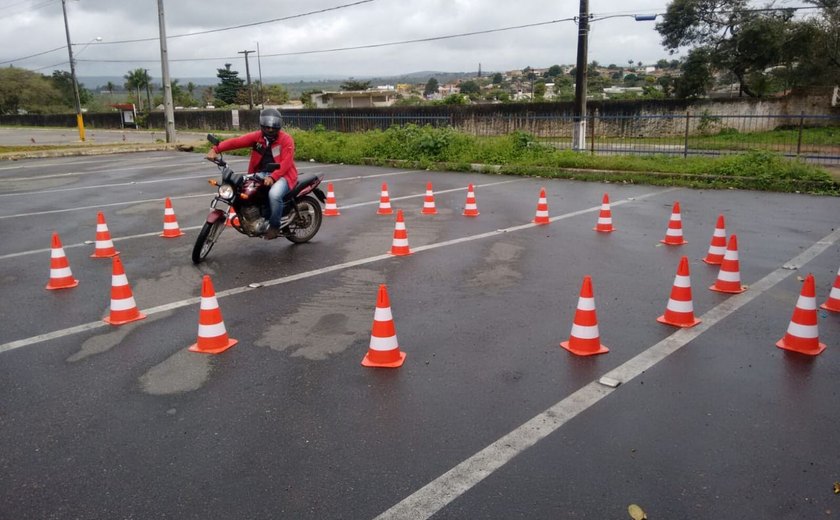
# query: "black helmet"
(270, 118)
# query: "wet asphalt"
(487, 418)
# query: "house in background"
(355, 99)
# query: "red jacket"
(283, 151)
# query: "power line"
(250, 24)
(357, 47)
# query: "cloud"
(34, 26)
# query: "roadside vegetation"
(520, 153)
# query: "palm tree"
(110, 88)
(135, 80)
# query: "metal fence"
(814, 138)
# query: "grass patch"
(520, 153)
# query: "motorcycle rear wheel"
(308, 221)
(206, 239)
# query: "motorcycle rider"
(268, 144)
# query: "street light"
(579, 118)
(79, 121)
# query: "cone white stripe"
(123, 304)
(101, 228)
(542, 213)
(383, 344)
(168, 211)
(807, 303)
(400, 226)
(676, 216)
(61, 272)
(170, 225)
(802, 331)
(103, 244)
(834, 294)
(604, 220)
(673, 232)
(680, 306)
(605, 207)
(209, 303)
(118, 280)
(729, 276)
(211, 331)
(584, 332)
(682, 281)
(719, 232)
(731, 255)
(586, 304)
(717, 250)
(57, 252)
(382, 314)
(400, 242)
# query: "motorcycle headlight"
(226, 191)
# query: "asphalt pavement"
(488, 418)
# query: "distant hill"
(297, 83)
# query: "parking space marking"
(12, 345)
(437, 494)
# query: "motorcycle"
(248, 197)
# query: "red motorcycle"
(248, 196)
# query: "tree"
(469, 87)
(110, 88)
(352, 84)
(431, 87)
(696, 75)
(539, 90)
(553, 71)
(498, 79)
(21, 89)
(274, 94)
(63, 82)
(135, 80)
(229, 84)
(306, 97)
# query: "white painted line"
(437, 494)
(98, 206)
(300, 276)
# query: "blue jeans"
(275, 201)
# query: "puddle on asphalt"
(498, 271)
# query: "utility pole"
(168, 111)
(262, 86)
(248, 78)
(79, 120)
(579, 132)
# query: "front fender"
(215, 215)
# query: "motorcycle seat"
(303, 181)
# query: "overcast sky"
(29, 27)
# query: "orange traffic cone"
(170, 223)
(384, 350)
(729, 276)
(384, 202)
(429, 201)
(331, 209)
(542, 209)
(60, 275)
(680, 309)
(470, 207)
(212, 335)
(674, 235)
(802, 335)
(833, 301)
(232, 218)
(604, 224)
(104, 247)
(399, 247)
(123, 308)
(584, 339)
(717, 247)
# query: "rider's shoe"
(272, 233)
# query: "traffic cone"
(232, 218)
(384, 202)
(802, 335)
(584, 339)
(399, 247)
(542, 209)
(331, 210)
(429, 201)
(470, 207)
(60, 275)
(680, 309)
(170, 223)
(212, 335)
(717, 247)
(729, 276)
(833, 301)
(674, 235)
(383, 350)
(123, 308)
(605, 217)
(104, 247)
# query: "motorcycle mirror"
(213, 139)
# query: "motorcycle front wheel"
(307, 222)
(206, 238)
